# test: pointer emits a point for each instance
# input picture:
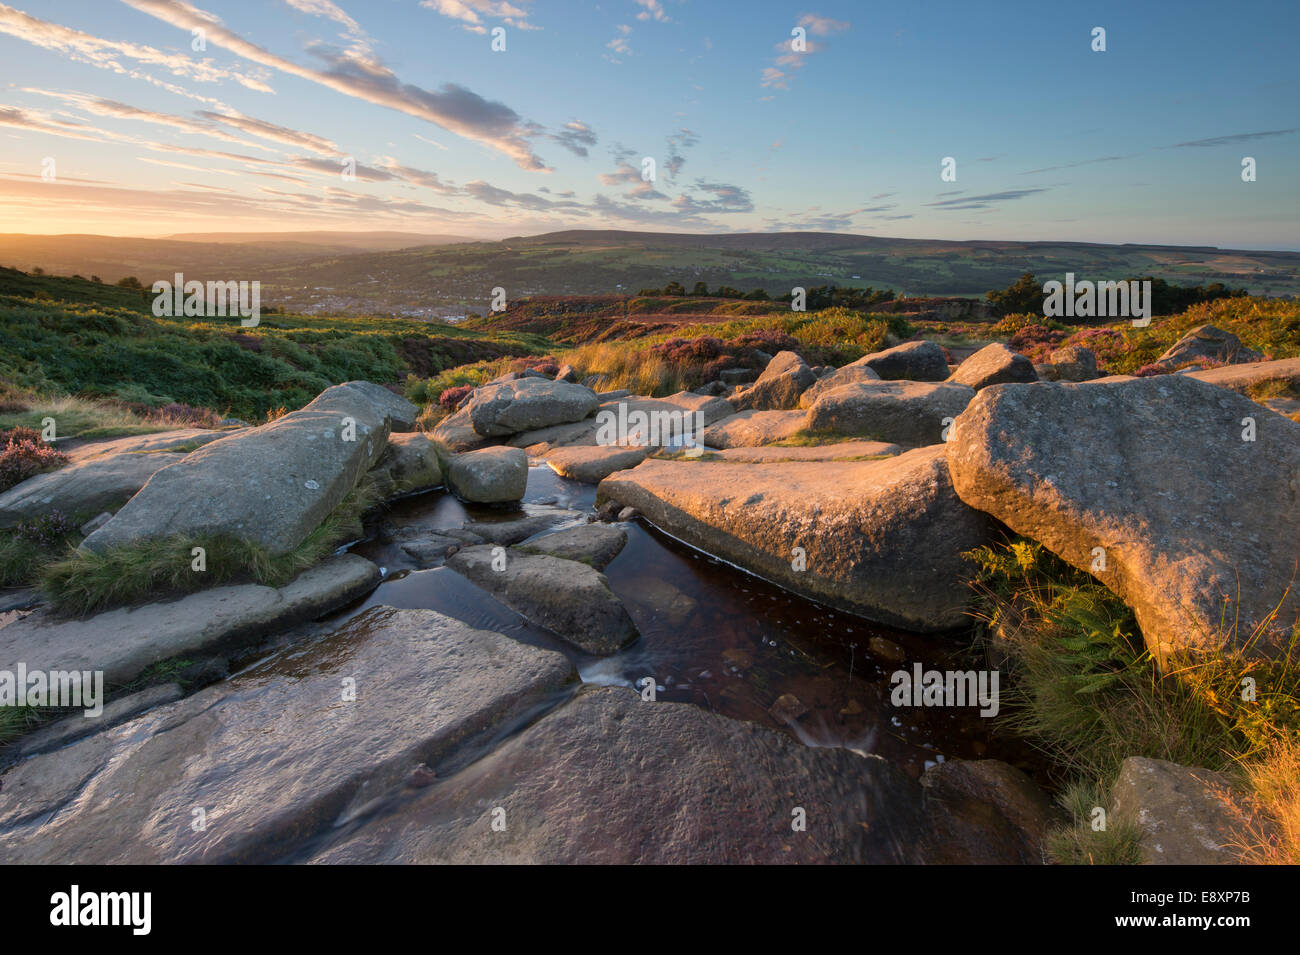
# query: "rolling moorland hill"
(64, 336)
(326, 273)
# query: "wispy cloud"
(1081, 162)
(110, 54)
(654, 10)
(986, 200)
(452, 107)
(1235, 138)
(472, 13)
(576, 137)
(790, 60)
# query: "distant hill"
(427, 275)
(358, 241)
(235, 255)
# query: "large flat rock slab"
(1196, 525)
(78, 450)
(832, 451)
(272, 485)
(749, 429)
(881, 538)
(610, 779)
(1241, 378)
(906, 412)
(81, 491)
(277, 754)
(123, 642)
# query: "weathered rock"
(594, 544)
(574, 434)
(95, 523)
(913, 361)
(1014, 810)
(409, 464)
(567, 373)
(881, 538)
(526, 404)
(521, 528)
(457, 432)
(1190, 518)
(833, 451)
(778, 388)
(79, 451)
(431, 551)
(356, 397)
(994, 364)
(122, 643)
(738, 376)
(1242, 378)
(749, 429)
(905, 412)
(657, 422)
(571, 599)
(712, 409)
(489, 475)
(1047, 372)
(1208, 342)
(848, 375)
(1074, 363)
(272, 485)
(86, 489)
(607, 778)
(77, 727)
(1188, 815)
(593, 464)
(276, 755)
(515, 376)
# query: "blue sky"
(146, 135)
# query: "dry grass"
(1273, 837)
(80, 418)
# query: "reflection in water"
(717, 637)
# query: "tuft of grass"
(1275, 780)
(16, 721)
(1119, 843)
(83, 582)
(1085, 690)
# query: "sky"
(497, 118)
